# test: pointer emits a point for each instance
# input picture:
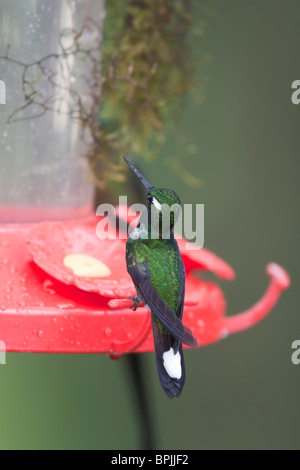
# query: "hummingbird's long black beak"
(147, 185)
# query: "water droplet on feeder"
(108, 332)
(47, 286)
(65, 306)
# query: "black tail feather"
(163, 342)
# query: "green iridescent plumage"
(156, 267)
(166, 270)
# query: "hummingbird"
(155, 265)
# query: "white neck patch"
(156, 204)
(172, 364)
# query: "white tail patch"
(172, 364)
(156, 204)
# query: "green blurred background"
(243, 392)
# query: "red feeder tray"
(46, 307)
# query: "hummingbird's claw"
(136, 302)
(134, 305)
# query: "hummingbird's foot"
(136, 301)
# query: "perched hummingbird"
(155, 265)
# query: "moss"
(147, 71)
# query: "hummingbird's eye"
(150, 198)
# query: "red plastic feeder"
(47, 306)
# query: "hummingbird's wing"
(182, 274)
(140, 274)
